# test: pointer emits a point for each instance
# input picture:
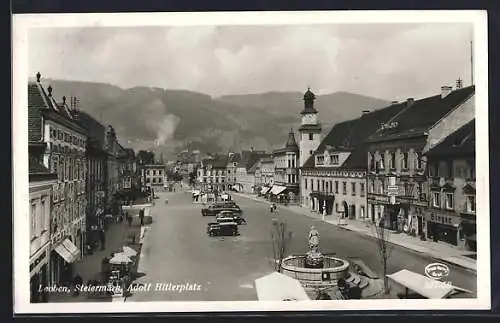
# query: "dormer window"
(320, 160)
(334, 159)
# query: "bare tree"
(384, 249)
(280, 238)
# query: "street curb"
(429, 255)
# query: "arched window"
(392, 161)
(404, 161)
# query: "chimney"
(38, 76)
(459, 83)
(410, 101)
(64, 100)
(445, 90)
(394, 102)
(49, 89)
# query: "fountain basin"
(332, 270)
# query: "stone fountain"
(316, 271)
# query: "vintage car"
(212, 210)
(222, 229)
(235, 217)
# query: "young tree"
(280, 238)
(384, 249)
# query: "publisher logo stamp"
(437, 271)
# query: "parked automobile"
(212, 210)
(222, 229)
(235, 217)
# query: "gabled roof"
(95, 129)
(350, 136)
(234, 158)
(421, 115)
(220, 161)
(461, 142)
(40, 102)
(249, 158)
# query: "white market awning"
(279, 287)
(423, 285)
(277, 189)
(129, 252)
(264, 190)
(224, 196)
(68, 251)
(120, 258)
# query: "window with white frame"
(305, 183)
(344, 188)
(404, 161)
(392, 161)
(334, 159)
(336, 187)
(33, 220)
(449, 200)
(381, 162)
(470, 203)
(353, 189)
(436, 199)
(320, 160)
(362, 189)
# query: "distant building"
(154, 176)
(396, 161)
(451, 213)
(286, 171)
(264, 173)
(245, 172)
(211, 175)
(231, 167)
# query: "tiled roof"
(95, 129)
(42, 103)
(220, 161)
(422, 114)
(350, 136)
(460, 142)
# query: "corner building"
(396, 151)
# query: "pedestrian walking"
(103, 239)
(141, 216)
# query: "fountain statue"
(314, 259)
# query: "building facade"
(397, 181)
(55, 124)
(334, 177)
(96, 171)
(286, 170)
(451, 213)
(154, 176)
(212, 173)
(41, 182)
(231, 166)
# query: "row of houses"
(76, 165)
(409, 166)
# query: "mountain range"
(168, 121)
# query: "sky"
(386, 61)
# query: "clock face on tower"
(309, 119)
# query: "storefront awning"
(277, 189)
(264, 190)
(68, 251)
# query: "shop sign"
(38, 260)
(378, 198)
(443, 219)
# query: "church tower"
(310, 129)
